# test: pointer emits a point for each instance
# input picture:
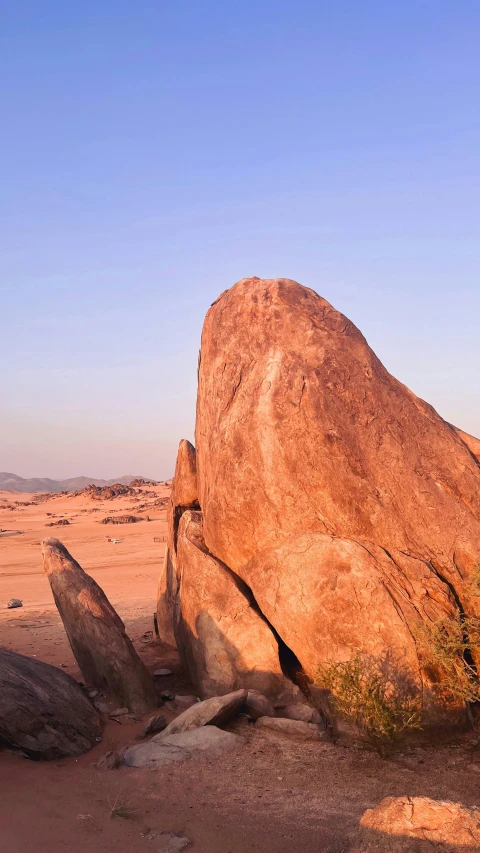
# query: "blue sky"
(154, 153)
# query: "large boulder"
(43, 712)
(347, 508)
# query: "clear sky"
(153, 153)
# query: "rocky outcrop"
(345, 508)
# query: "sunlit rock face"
(345, 505)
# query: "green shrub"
(363, 694)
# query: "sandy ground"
(271, 796)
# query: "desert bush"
(363, 694)
(446, 648)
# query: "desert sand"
(271, 796)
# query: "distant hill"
(14, 483)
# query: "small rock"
(102, 707)
(185, 701)
(92, 693)
(302, 712)
(120, 712)
(148, 635)
(161, 672)
(109, 761)
(170, 842)
(155, 724)
(167, 695)
(296, 729)
(257, 705)
(211, 712)
(163, 749)
(14, 602)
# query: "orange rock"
(184, 494)
(347, 505)
(225, 643)
(430, 820)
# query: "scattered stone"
(109, 761)
(14, 602)
(257, 705)
(155, 724)
(164, 749)
(102, 707)
(119, 712)
(167, 695)
(170, 842)
(92, 693)
(160, 672)
(301, 712)
(211, 712)
(421, 817)
(295, 729)
(185, 701)
(120, 519)
(146, 637)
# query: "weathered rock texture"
(212, 712)
(346, 505)
(442, 824)
(43, 711)
(224, 641)
(96, 633)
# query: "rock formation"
(96, 633)
(340, 505)
(43, 712)
(184, 496)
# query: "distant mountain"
(14, 483)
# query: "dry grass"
(363, 694)
(121, 808)
(448, 648)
